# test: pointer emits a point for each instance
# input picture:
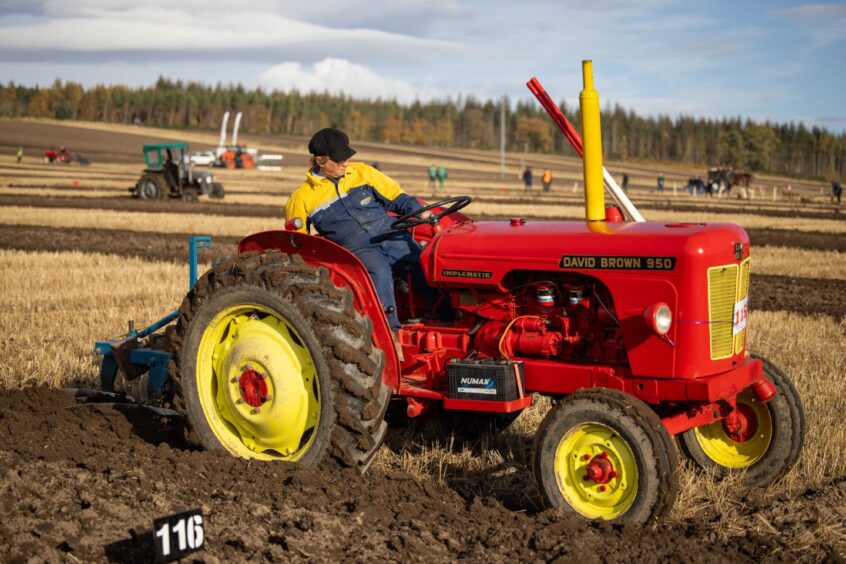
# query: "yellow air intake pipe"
(592, 144)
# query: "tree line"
(789, 149)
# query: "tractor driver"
(348, 203)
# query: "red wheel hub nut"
(600, 469)
(253, 387)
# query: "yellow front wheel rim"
(739, 449)
(608, 493)
(258, 384)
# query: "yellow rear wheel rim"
(255, 339)
(577, 448)
(718, 445)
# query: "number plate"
(741, 310)
(176, 535)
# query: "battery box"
(485, 379)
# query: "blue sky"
(777, 60)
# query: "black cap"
(332, 143)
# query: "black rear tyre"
(299, 307)
(150, 187)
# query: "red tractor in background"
(233, 155)
(636, 330)
(63, 156)
(236, 156)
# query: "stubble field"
(79, 258)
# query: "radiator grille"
(743, 292)
(722, 294)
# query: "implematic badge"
(593, 262)
(466, 274)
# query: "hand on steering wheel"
(413, 219)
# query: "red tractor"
(636, 330)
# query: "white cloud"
(159, 27)
(339, 76)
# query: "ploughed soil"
(97, 146)
(85, 481)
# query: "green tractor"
(169, 174)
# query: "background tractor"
(636, 330)
(63, 156)
(233, 155)
(169, 174)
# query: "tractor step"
(487, 405)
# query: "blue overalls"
(352, 212)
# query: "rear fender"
(346, 271)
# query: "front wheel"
(766, 442)
(189, 195)
(606, 455)
(272, 362)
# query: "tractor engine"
(554, 320)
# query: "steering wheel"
(413, 219)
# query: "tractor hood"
(483, 253)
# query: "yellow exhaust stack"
(592, 143)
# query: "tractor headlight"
(659, 317)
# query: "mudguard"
(346, 271)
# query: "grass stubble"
(53, 306)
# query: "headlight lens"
(663, 319)
(659, 317)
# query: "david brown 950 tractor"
(636, 330)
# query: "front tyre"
(605, 455)
(272, 362)
(189, 195)
(766, 443)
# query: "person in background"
(442, 176)
(527, 178)
(20, 154)
(546, 180)
(836, 191)
(625, 185)
(661, 182)
(433, 176)
(348, 203)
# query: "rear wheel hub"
(257, 383)
(253, 387)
